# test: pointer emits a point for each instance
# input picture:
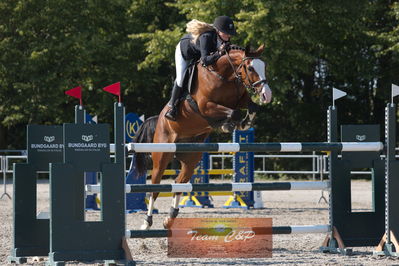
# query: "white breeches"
(181, 66)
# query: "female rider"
(205, 42)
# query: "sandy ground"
(284, 207)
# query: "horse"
(217, 94)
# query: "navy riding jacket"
(205, 48)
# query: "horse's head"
(251, 70)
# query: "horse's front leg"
(230, 116)
(249, 118)
(174, 210)
(148, 219)
(215, 110)
(252, 108)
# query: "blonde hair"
(196, 28)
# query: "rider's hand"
(222, 52)
(223, 48)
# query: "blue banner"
(132, 125)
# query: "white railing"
(319, 164)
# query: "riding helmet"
(225, 24)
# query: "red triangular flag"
(114, 89)
(75, 92)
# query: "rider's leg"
(173, 102)
(181, 65)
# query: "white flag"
(338, 94)
(395, 90)
(95, 119)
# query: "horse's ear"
(260, 50)
(256, 53)
(248, 49)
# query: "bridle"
(238, 80)
(237, 74)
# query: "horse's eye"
(251, 68)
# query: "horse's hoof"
(244, 126)
(147, 223)
(145, 226)
(228, 127)
(167, 222)
(235, 115)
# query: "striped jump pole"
(256, 147)
(189, 187)
(198, 172)
(198, 194)
(276, 230)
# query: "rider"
(205, 42)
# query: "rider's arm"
(207, 44)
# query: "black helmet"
(225, 25)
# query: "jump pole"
(232, 187)
(276, 230)
(256, 147)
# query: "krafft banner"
(220, 238)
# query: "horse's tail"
(145, 134)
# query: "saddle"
(189, 75)
(188, 81)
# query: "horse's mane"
(248, 51)
(235, 47)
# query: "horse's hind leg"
(188, 163)
(160, 162)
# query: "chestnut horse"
(218, 93)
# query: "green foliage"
(159, 46)
(311, 46)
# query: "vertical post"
(4, 169)
(80, 114)
(390, 182)
(119, 133)
(389, 244)
(313, 166)
(331, 243)
(332, 136)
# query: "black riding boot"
(173, 102)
